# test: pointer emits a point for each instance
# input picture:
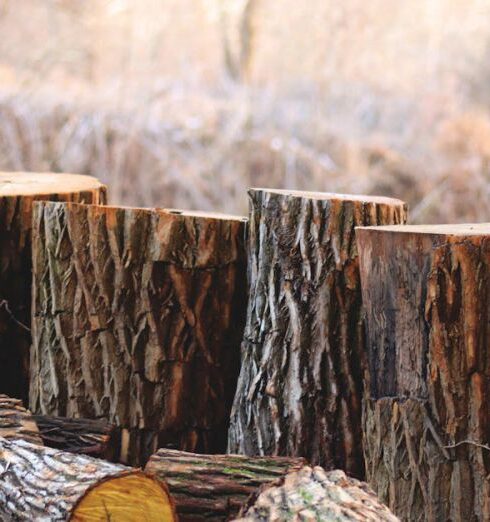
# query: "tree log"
(97, 438)
(313, 494)
(16, 422)
(38, 484)
(426, 291)
(154, 300)
(215, 487)
(18, 190)
(300, 386)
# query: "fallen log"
(18, 191)
(93, 437)
(215, 487)
(300, 388)
(16, 422)
(155, 300)
(314, 494)
(426, 291)
(39, 483)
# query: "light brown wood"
(16, 422)
(138, 316)
(18, 191)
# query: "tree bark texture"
(301, 381)
(16, 422)
(215, 487)
(94, 437)
(42, 484)
(313, 494)
(18, 191)
(427, 422)
(138, 316)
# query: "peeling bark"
(138, 316)
(301, 381)
(16, 422)
(215, 487)
(313, 494)
(18, 191)
(427, 421)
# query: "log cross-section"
(301, 381)
(426, 291)
(138, 317)
(18, 191)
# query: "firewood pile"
(318, 360)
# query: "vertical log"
(18, 191)
(300, 386)
(138, 316)
(426, 291)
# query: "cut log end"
(464, 229)
(132, 496)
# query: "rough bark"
(312, 494)
(18, 191)
(16, 422)
(41, 484)
(301, 381)
(215, 487)
(152, 299)
(97, 438)
(427, 421)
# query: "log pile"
(426, 291)
(300, 388)
(18, 191)
(16, 422)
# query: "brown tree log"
(215, 487)
(18, 190)
(426, 291)
(94, 437)
(300, 386)
(138, 316)
(16, 422)
(38, 483)
(313, 494)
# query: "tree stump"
(16, 422)
(39, 483)
(138, 316)
(93, 437)
(300, 386)
(313, 494)
(18, 191)
(215, 487)
(426, 291)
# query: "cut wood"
(300, 388)
(138, 316)
(426, 291)
(16, 422)
(40, 484)
(215, 487)
(18, 190)
(97, 438)
(313, 494)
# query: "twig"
(472, 442)
(4, 304)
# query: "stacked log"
(16, 422)
(39, 483)
(300, 388)
(427, 422)
(18, 191)
(215, 487)
(137, 318)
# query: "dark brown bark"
(18, 190)
(427, 422)
(39, 483)
(215, 487)
(94, 437)
(138, 316)
(316, 495)
(16, 422)
(300, 386)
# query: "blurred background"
(186, 103)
